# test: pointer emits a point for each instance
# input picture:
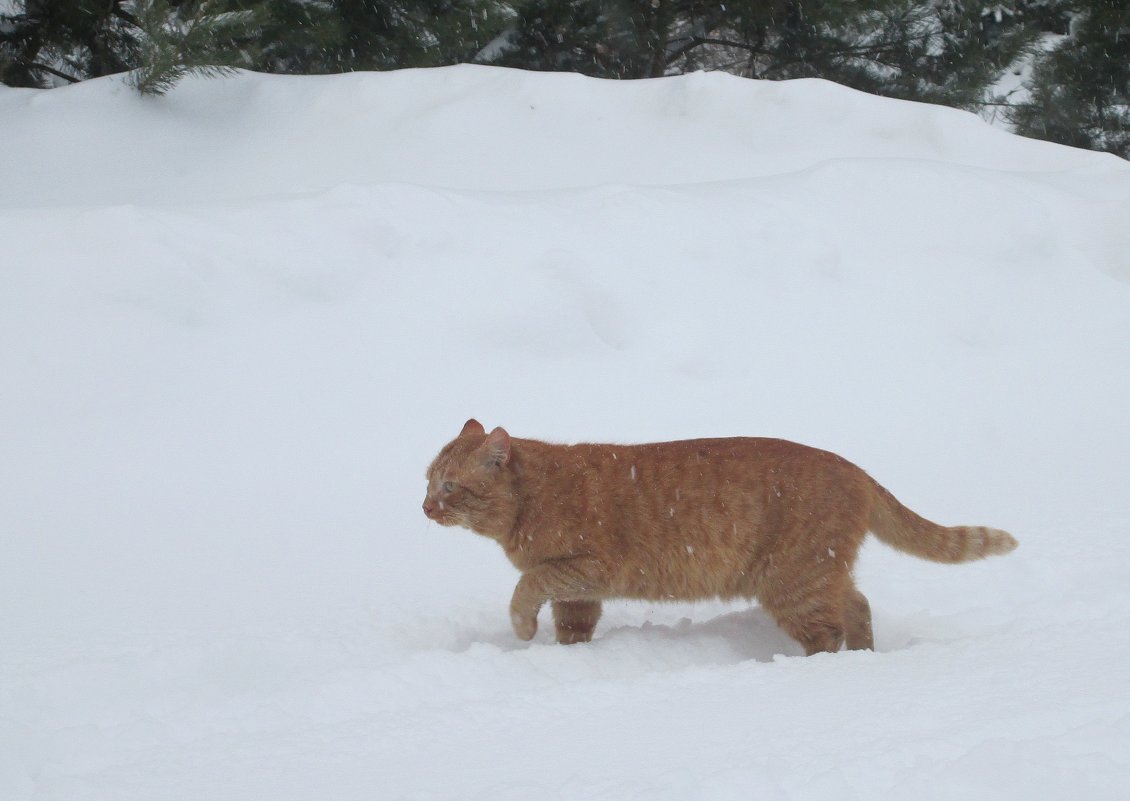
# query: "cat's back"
(687, 473)
(706, 454)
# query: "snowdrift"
(237, 322)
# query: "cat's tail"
(901, 528)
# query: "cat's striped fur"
(730, 518)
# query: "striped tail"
(901, 528)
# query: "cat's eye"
(449, 486)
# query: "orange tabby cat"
(727, 518)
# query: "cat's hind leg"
(824, 617)
(818, 629)
(857, 622)
(575, 620)
(810, 606)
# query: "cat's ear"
(472, 426)
(498, 447)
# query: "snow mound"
(237, 322)
(467, 127)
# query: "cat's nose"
(429, 507)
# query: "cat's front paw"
(525, 626)
(567, 636)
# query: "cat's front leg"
(575, 621)
(524, 622)
(525, 605)
(558, 580)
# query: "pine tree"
(934, 51)
(559, 35)
(1080, 91)
(194, 37)
(47, 41)
(319, 36)
(938, 50)
(295, 36)
(457, 30)
(43, 42)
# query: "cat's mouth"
(434, 510)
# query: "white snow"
(236, 324)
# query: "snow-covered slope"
(237, 322)
(467, 127)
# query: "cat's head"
(470, 483)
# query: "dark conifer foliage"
(297, 36)
(46, 41)
(938, 51)
(377, 34)
(1080, 91)
(175, 39)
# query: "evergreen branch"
(125, 16)
(676, 53)
(188, 40)
(35, 65)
